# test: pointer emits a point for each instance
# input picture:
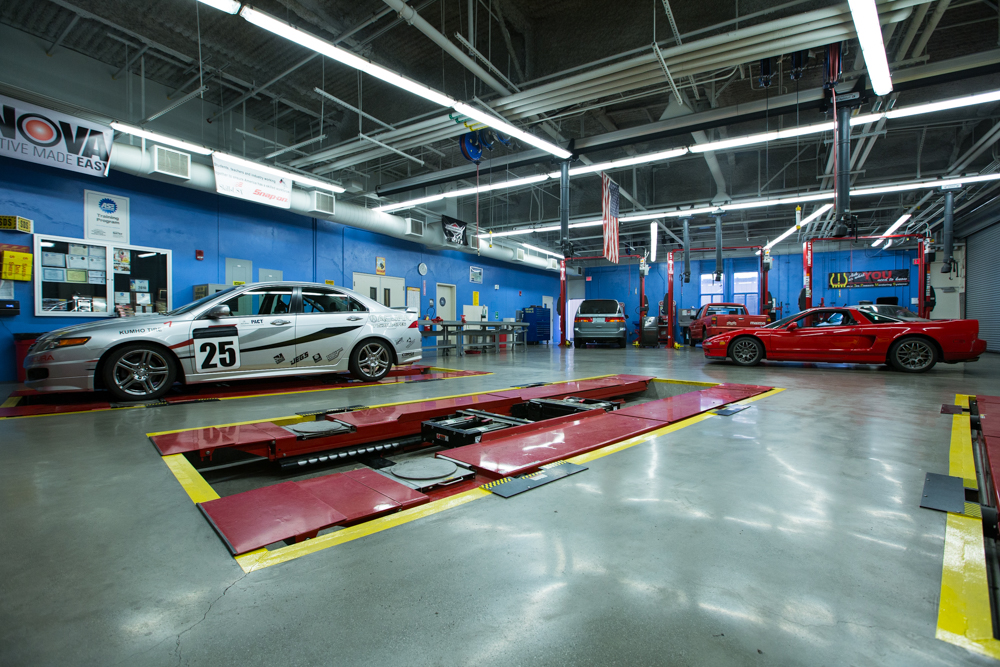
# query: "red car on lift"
(853, 336)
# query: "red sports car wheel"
(912, 355)
(746, 351)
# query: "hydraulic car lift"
(923, 266)
(575, 419)
(670, 283)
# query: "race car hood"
(110, 324)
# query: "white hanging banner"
(105, 217)
(36, 134)
(237, 180)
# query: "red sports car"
(850, 335)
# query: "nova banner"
(888, 278)
(38, 135)
(236, 180)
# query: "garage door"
(982, 296)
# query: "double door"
(386, 290)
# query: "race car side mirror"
(792, 327)
(218, 311)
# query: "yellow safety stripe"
(11, 402)
(190, 479)
(964, 616)
(262, 558)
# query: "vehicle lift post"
(563, 325)
(670, 283)
(923, 291)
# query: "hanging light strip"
(543, 250)
(794, 228)
(892, 228)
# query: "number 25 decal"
(217, 355)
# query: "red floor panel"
(349, 497)
(253, 519)
(675, 408)
(41, 403)
(404, 495)
(524, 453)
(203, 439)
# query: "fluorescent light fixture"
(227, 6)
(144, 255)
(281, 173)
(505, 127)
(626, 162)
(735, 142)
(944, 105)
(791, 230)
(409, 204)
(47, 244)
(515, 183)
(289, 32)
(652, 242)
(892, 228)
(161, 138)
(869, 30)
(589, 223)
(543, 250)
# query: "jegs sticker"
(299, 358)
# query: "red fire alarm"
(199, 255)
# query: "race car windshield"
(194, 304)
(598, 307)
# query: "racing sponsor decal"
(888, 278)
(389, 321)
(278, 358)
(398, 341)
(334, 355)
(317, 358)
(299, 358)
(329, 332)
(140, 330)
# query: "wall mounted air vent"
(519, 254)
(322, 202)
(553, 263)
(474, 242)
(414, 227)
(171, 162)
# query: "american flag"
(609, 214)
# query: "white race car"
(252, 331)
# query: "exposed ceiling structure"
(581, 71)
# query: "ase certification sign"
(105, 217)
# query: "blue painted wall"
(784, 279)
(185, 220)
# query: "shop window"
(711, 290)
(746, 290)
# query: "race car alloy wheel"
(139, 372)
(370, 361)
(747, 351)
(912, 355)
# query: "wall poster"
(105, 217)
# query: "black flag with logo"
(455, 231)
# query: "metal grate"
(171, 163)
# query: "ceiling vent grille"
(171, 162)
(322, 202)
(474, 242)
(414, 227)
(519, 254)
(553, 263)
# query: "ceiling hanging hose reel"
(471, 147)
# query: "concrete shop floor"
(789, 533)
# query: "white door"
(367, 284)
(444, 303)
(327, 328)
(392, 291)
(269, 275)
(547, 301)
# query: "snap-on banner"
(888, 278)
(43, 136)
(236, 180)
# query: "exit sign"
(589, 278)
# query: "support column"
(718, 248)
(807, 271)
(564, 207)
(923, 282)
(948, 231)
(671, 311)
(562, 302)
(687, 250)
(843, 175)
